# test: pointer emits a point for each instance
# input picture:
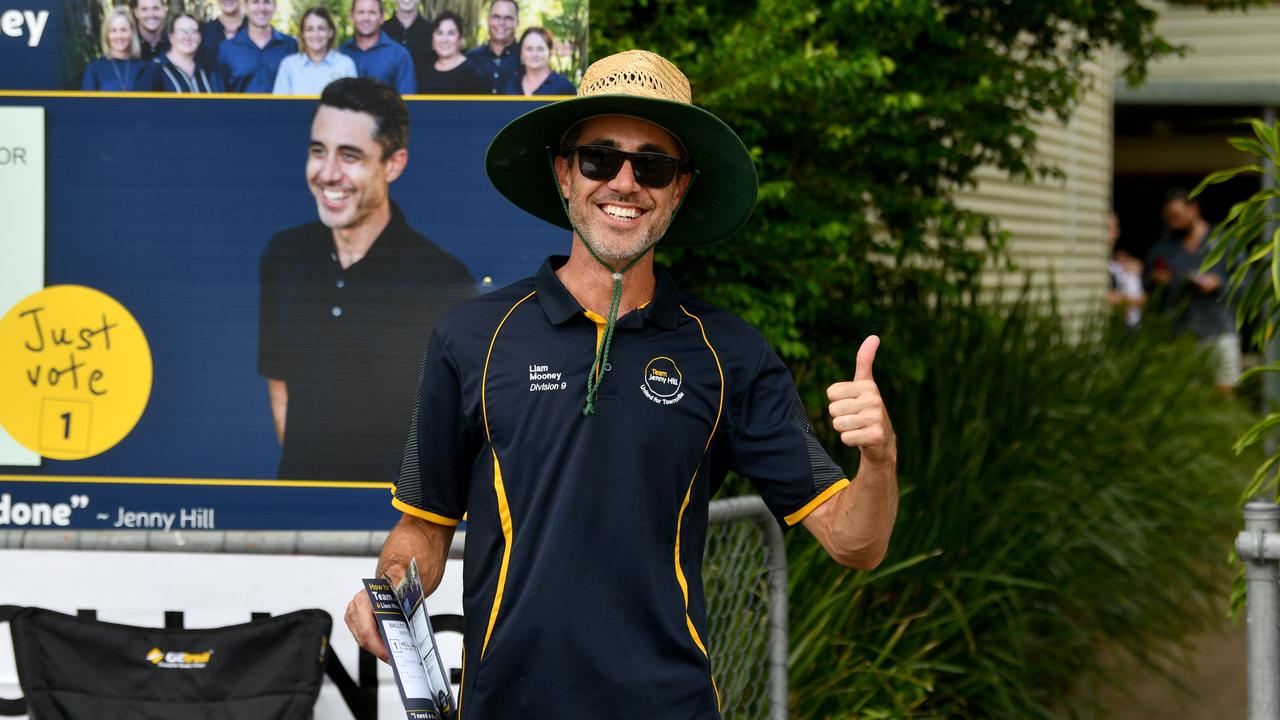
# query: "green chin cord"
(596, 376)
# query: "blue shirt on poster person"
(555, 84)
(497, 70)
(115, 75)
(386, 61)
(212, 34)
(247, 68)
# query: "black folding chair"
(72, 667)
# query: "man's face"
(366, 17)
(1179, 214)
(345, 168)
(503, 19)
(150, 15)
(261, 12)
(620, 217)
(407, 6)
(229, 7)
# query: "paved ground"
(1217, 683)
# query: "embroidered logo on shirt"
(542, 378)
(662, 381)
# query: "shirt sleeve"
(223, 69)
(406, 83)
(772, 443)
(442, 443)
(284, 78)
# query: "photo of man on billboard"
(348, 302)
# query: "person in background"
(1197, 300)
(120, 68)
(537, 78)
(230, 21)
(179, 71)
(247, 63)
(497, 60)
(150, 15)
(317, 64)
(1126, 296)
(451, 72)
(377, 56)
(408, 27)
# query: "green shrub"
(1059, 495)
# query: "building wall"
(1235, 46)
(1058, 227)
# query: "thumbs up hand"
(858, 412)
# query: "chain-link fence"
(744, 573)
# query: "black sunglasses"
(651, 169)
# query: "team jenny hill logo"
(662, 381)
(179, 659)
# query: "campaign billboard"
(132, 339)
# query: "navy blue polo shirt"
(246, 68)
(497, 70)
(348, 344)
(582, 582)
(212, 35)
(387, 62)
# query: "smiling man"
(151, 16)
(499, 59)
(348, 302)
(376, 55)
(248, 62)
(582, 419)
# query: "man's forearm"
(864, 513)
(278, 393)
(413, 537)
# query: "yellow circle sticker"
(75, 372)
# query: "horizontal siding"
(1057, 226)
(1236, 46)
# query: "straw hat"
(646, 86)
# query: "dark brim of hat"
(719, 202)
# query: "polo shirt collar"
(388, 243)
(560, 306)
(327, 61)
(508, 51)
(242, 36)
(379, 43)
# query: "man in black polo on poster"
(348, 302)
(581, 420)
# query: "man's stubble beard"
(579, 215)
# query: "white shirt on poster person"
(316, 63)
(300, 75)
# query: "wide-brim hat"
(643, 85)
